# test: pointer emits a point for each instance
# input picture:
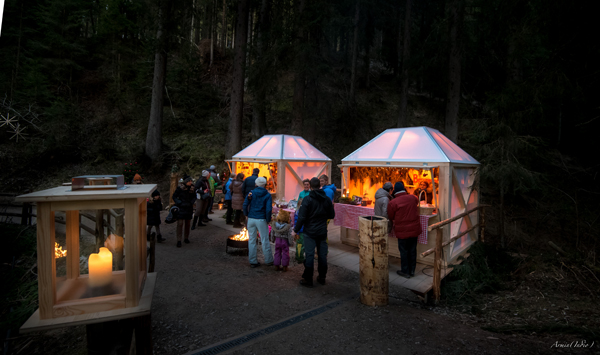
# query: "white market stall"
(412, 155)
(284, 160)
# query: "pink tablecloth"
(291, 211)
(347, 216)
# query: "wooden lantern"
(78, 294)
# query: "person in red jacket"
(403, 211)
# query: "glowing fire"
(58, 251)
(243, 235)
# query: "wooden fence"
(440, 244)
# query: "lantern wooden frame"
(57, 298)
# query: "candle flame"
(58, 251)
(243, 235)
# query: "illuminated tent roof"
(281, 146)
(412, 144)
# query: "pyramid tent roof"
(412, 144)
(281, 146)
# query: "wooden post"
(437, 265)
(373, 260)
(99, 229)
(72, 232)
(46, 265)
(173, 187)
(132, 262)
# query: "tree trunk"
(224, 26)
(403, 116)
(354, 51)
(300, 76)
(398, 66)
(154, 134)
(237, 86)
(259, 116)
(456, 12)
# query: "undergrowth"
(484, 271)
(19, 291)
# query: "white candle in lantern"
(100, 266)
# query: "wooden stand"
(373, 260)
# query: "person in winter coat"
(300, 236)
(329, 189)
(316, 209)
(213, 185)
(227, 190)
(258, 207)
(153, 208)
(237, 199)
(281, 235)
(250, 182)
(306, 191)
(427, 194)
(404, 213)
(382, 198)
(201, 187)
(184, 198)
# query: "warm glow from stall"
(246, 169)
(369, 186)
(100, 267)
(58, 251)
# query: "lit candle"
(100, 266)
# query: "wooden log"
(373, 260)
(437, 265)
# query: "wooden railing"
(26, 214)
(440, 244)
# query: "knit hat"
(187, 179)
(212, 167)
(387, 186)
(137, 177)
(155, 193)
(255, 171)
(399, 187)
(261, 181)
(205, 173)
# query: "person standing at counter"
(427, 194)
(404, 213)
(382, 199)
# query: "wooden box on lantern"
(104, 270)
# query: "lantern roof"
(411, 144)
(281, 146)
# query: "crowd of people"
(249, 203)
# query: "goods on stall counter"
(293, 204)
(357, 200)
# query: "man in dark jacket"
(313, 214)
(184, 198)
(250, 182)
(404, 213)
(258, 208)
(202, 189)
